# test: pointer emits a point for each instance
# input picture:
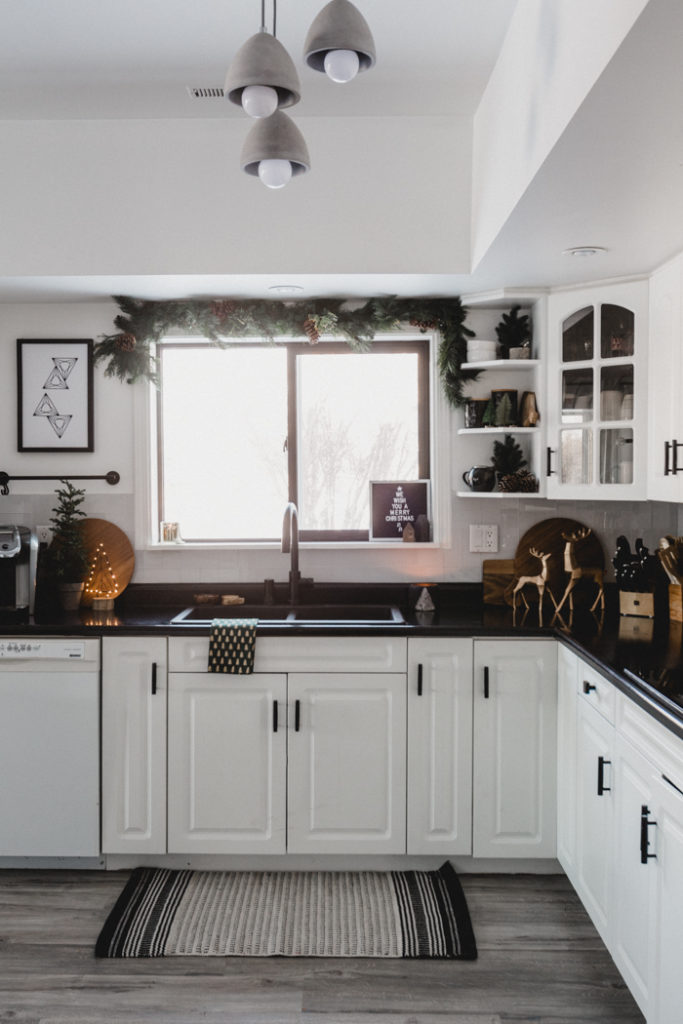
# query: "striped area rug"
(414, 914)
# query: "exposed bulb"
(259, 100)
(275, 173)
(341, 65)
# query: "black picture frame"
(55, 395)
(395, 502)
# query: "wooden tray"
(117, 547)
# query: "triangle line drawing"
(65, 365)
(46, 407)
(56, 379)
(59, 423)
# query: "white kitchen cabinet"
(665, 369)
(134, 671)
(595, 815)
(597, 393)
(439, 746)
(666, 913)
(346, 779)
(227, 763)
(567, 695)
(515, 744)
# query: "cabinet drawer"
(302, 654)
(659, 745)
(597, 691)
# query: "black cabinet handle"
(486, 682)
(602, 788)
(645, 823)
(588, 687)
(667, 452)
(549, 452)
(419, 680)
(154, 677)
(274, 716)
(673, 785)
(675, 445)
(297, 715)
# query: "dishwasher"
(49, 747)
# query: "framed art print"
(55, 395)
(393, 503)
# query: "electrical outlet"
(483, 538)
(44, 534)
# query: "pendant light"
(262, 77)
(339, 42)
(275, 150)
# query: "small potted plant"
(67, 556)
(514, 335)
(509, 464)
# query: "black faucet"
(290, 544)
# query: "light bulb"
(341, 65)
(274, 173)
(259, 100)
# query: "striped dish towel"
(232, 645)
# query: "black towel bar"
(112, 477)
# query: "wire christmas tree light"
(101, 583)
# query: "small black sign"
(393, 503)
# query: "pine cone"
(311, 330)
(223, 308)
(423, 325)
(125, 342)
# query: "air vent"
(206, 92)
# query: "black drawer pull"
(645, 824)
(549, 452)
(419, 680)
(667, 452)
(588, 687)
(672, 784)
(486, 682)
(274, 716)
(154, 677)
(602, 788)
(297, 715)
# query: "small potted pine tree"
(514, 335)
(67, 556)
(509, 464)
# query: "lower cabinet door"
(667, 907)
(515, 744)
(567, 701)
(347, 772)
(134, 744)
(440, 746)
(227, 763)
(595, 817)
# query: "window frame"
(434, 421)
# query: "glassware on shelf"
(616, 455)
(578, 332)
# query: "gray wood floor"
(540, 960)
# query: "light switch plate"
(483, 538)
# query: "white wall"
(116, 447)
(552, 56)
(385, 195)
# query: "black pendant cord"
(112, 478)
(275, 19)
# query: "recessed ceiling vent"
(206, 92)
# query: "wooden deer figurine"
(580, 572)
(538, 581)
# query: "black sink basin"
(348, 614)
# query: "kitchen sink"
(284, 614)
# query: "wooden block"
(632, 603)
(498, 576)
(675, 602)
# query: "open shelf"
(501, 364)
(498, 494)
(497, 430)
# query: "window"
(243, 430)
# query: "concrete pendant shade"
(339, 26)
(275, 138)
(263, 60)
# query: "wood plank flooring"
(540, 960)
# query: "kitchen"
(97, 203)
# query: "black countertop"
(643, 657)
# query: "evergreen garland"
(141, 323)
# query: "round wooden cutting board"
(545, 537)
(118, 548)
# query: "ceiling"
(615, 178)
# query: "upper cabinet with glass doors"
(597, 353)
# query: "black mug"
(480, 478)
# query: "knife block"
(636, 603)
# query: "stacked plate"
(480, 351)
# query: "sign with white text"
(395, 503)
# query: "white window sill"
(377, 545)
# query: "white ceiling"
(135, 58)
(615, 179)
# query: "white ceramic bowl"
(481, 350)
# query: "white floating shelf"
(498, 494)
(497, 430)
(501, 364)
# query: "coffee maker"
(18, 567)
